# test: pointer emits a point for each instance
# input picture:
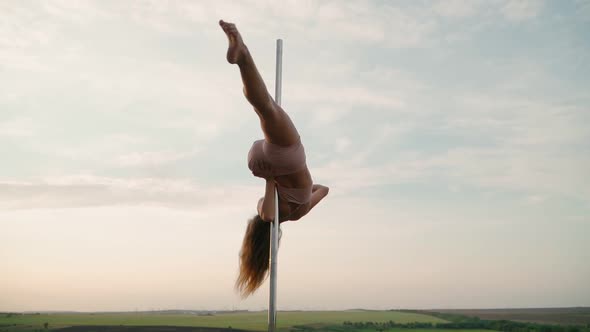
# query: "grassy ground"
(247, 321)
(196, 329)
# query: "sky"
(453, 134)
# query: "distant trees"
(390, 325)
(457, 322)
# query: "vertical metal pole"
(274, 229)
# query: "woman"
(279, 158)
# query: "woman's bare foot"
(236, 52)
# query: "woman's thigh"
(278, 128)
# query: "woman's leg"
(276, 124)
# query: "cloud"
(342, 144)
(18, 127)
(514, 171)
(319, 88)
(521, 121)
(23, 62)
(521, 10)
(583, 9)
(456, 8)
(99, 149)
(151, 158)
(506, 143)
(345, 95)
(361, 22)
(19, 28)
(368, 23)
(85, 190)
(79, 12)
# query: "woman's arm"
(266, 210)
(318, 192)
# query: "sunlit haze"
(454, 137)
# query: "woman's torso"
(289, 169)
(290, 210)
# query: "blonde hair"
(254, 256)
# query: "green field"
(244, 320)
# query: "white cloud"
(19, 61)
(521, 121)
(514, 170)
(100, 149)
(456, 8)
(583, 9)
(18, 127)
(535, 199)
(521, 10)
(21, 27)
(368, 23)
(362, 22)
(527, 154)
(151, 158)
(350, 95)
(86, 190)
(342, 144)
(79, 12)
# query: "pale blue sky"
(453, 135)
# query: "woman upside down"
(279, 158)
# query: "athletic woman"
(279, 159)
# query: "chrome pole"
(274, 229)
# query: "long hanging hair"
(254, 256)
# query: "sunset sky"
(454, 136)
